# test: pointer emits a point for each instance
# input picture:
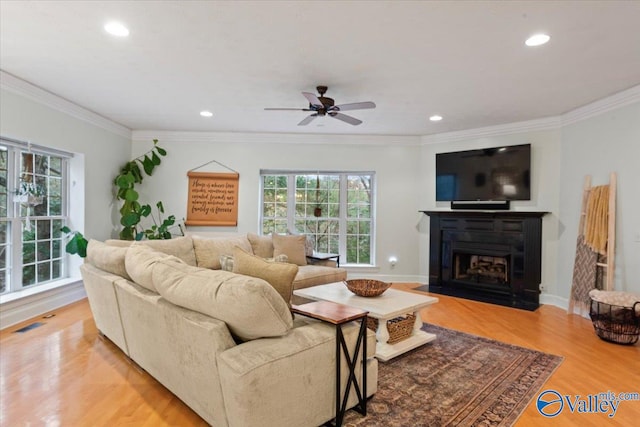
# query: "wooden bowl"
(367, 287)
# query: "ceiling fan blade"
(313, 100)
(289, 109)
(354, 106)
(345, 118)
(308, 120)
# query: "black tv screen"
(498, 173)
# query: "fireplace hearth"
(486, 256)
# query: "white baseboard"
(554, 300)
(22, 309)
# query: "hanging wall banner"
(213, 199)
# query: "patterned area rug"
(456, 380)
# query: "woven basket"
(400, 328)
(614, 323)
(367, 287)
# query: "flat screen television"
(497, 173)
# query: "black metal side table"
(321, 256)
(338, 315)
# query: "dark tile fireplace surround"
(487, 256)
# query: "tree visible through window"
(32, 212)
(334, 208)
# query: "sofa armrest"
(261, 378)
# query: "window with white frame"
(33, 209)
(335, 208)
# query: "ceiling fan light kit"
(323, 106)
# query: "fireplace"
(481, 268)
(486, 256)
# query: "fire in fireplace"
(481, 268)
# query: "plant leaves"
(122, 181)
(161, 151)
(160, 207)
(130, 219)
(145, 210)
(131, 195)
(126, 233)
(65, 229)
(148, 165)
(155, 159)
(137, 174)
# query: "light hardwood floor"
(64, 373)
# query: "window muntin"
(336, 208)
(31, 243)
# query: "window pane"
(28, 275)
(269, 209)
(56, 226)
(55, 166)
(55, 206)
(44, 250)
(56, 246)
(28, 253)
(3, 205)
(56, 271)
(269, 195)
(43, 228)
(44, 272)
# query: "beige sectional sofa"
(224, 343)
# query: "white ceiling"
(464, 60)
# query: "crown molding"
(548, 123)
(23, 88)
(618, 100)
(273, 138)
(601, 106)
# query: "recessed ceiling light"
(206, 113)
(116, 29)
(435, 118)
(537, 40)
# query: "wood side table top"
(330, 312)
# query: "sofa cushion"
(181, 247)
(249, 306)
(261, 245)
(108, 258)
(139, 263)
(309, 244)
(292, 246)
(280, 275)
(209, 249)
(313, 275)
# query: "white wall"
(30, 114)
(103, 151)
(395, 161)
(598, 146)
(545, 170)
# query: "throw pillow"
(291, 246)
(309, 244)
(209, 249)
(277, 274)
(261, 245)
(139, 263)
(106, 257)
(250, 307)
(181, 247)
(226, 262)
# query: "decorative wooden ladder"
(609, 265)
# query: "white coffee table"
(392, 303)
